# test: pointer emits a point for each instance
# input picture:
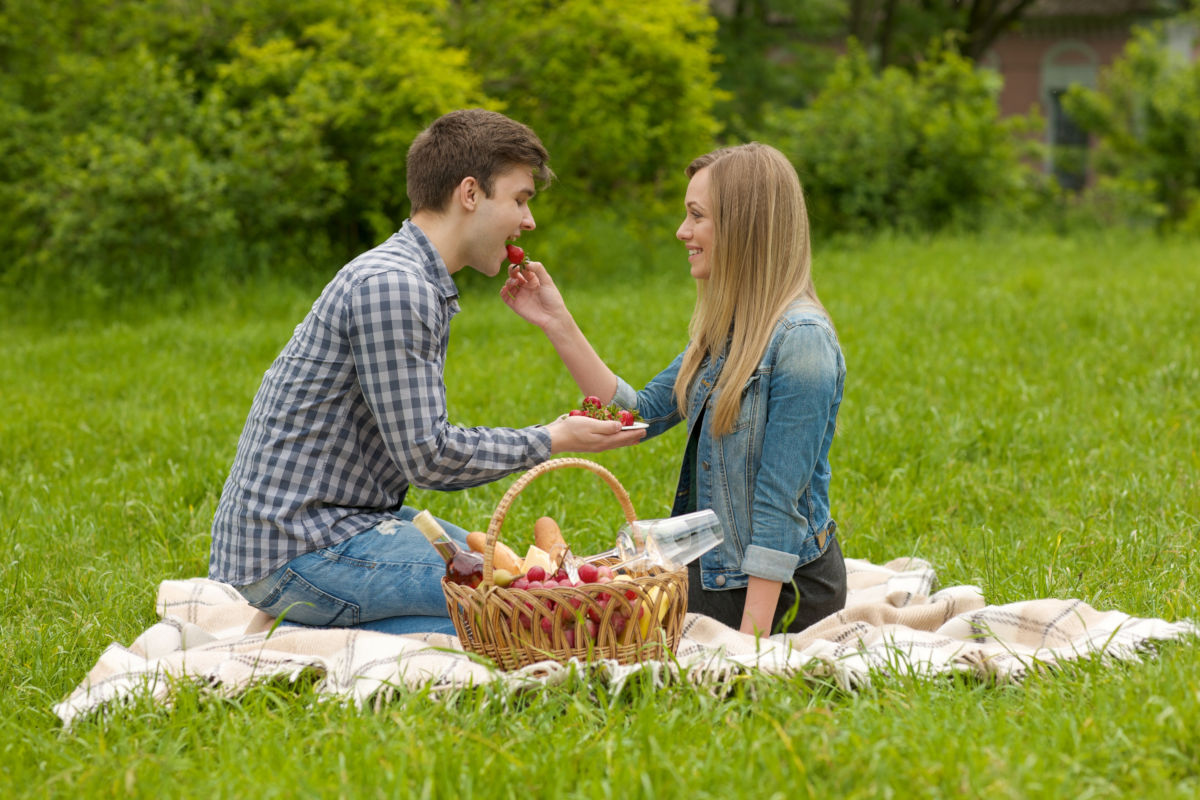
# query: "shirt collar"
(431, 262)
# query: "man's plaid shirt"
(352, 413)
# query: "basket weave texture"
(634, 619)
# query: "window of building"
(1066, 64)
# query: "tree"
(623, 101)
(918, 150)
(899, 32)
(778, 52)
(771, 53)
(1145, 117)
(142, 141)
(152, 145)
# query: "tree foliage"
(143, 140)
(772, 53)
(900, 149)
(897, 31)
(1145, 118)
(622, 100)
(777, 52)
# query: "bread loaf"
(503, 556)
(548, 537)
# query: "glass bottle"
(462, 565)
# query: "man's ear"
(467, 193)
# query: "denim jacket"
(768, 478)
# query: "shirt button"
(705, 464)
(720, 581)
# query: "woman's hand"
(531, 293)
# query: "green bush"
(325, 117)
(278, 131)
(1145, 119)
(897, 149)
(623, 101)
(130, 182)
(144, 141)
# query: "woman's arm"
(762, 596)
(531, 293)
(804, 384)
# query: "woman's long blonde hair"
(760, 263)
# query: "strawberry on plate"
(592, 407)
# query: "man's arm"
(399, 340)
(398, 330)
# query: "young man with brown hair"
(352, 412)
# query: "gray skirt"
(821, 583)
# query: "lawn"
(1021, 411)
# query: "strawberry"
(592, 407)
(516, 256)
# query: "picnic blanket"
(894, 622)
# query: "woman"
(759, 386)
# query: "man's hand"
(587, 435)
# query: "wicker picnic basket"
(632, 619)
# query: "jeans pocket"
(297, 600)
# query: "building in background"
(1060, 43)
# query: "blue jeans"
(387, 578)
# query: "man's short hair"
(470, 142)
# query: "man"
(311, 523)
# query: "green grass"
(1020, 411)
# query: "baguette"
(503, 556)
(548, 537)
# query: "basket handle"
(506, 501)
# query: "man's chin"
(490, 272)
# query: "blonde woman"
(759, 386)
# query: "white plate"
(637, 426)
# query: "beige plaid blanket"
(894, 622)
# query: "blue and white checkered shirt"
(352, 413)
